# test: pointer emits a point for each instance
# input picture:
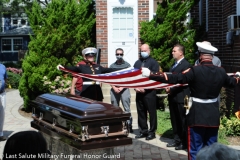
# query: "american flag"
(128, 78)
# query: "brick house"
(117, 20)
(214, 15)
(117, 25)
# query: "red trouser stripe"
(188, 141)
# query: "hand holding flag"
(237, 74)
(145, 72)
(59, 67)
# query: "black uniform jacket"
(205, 82)
(177, 94)
(92, 91)
(153, 66)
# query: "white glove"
(58, 66)
(237, 74)
(145, 72)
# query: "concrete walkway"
(140, 149)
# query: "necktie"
(143, 63)
(175, 65)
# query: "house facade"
(118, 26)
(14, 37)
(214, 15)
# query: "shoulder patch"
(187, 70)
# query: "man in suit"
(176, 100)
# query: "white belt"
(91, 82)
(205, 100)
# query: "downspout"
(206, 15)
(238, 7)
(200, 12)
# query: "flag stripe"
(129, 78)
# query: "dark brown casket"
(80, 122)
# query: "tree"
(168, 28)
(61, 30)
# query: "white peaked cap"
(89, 50)
(206, 47)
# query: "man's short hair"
(180, 47)
(119, 49)
(218, 151)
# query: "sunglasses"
(90, 54)
(117, 54)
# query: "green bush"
(222, 138)
(61, 30)
(13, 80)
(60, 85)
(232, 126)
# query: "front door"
(123, 29)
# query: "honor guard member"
(90, 89)
(205, 82)
(216, 61)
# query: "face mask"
(144, 54)
(119, 57)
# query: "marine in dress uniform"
(90, 89)
(205, 82)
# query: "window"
(123, 23)
(23, 21)
(15, 21)
(12, 44)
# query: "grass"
(164, 127)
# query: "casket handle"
(84, 135)
(71, 128)
(105, 130)
(54, 121)
(41, 116)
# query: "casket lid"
(79, 107)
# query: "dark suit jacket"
(177, 94)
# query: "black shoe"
(174, 144)
(149, 137)
(130, 130)
(141, 135)
(181, 147)
(2, 138)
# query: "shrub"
(13, 80)
(60, 85)
(222, 135)
(61, 30)
(14, 70)
(232, 125)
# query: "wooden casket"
(81, 122)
